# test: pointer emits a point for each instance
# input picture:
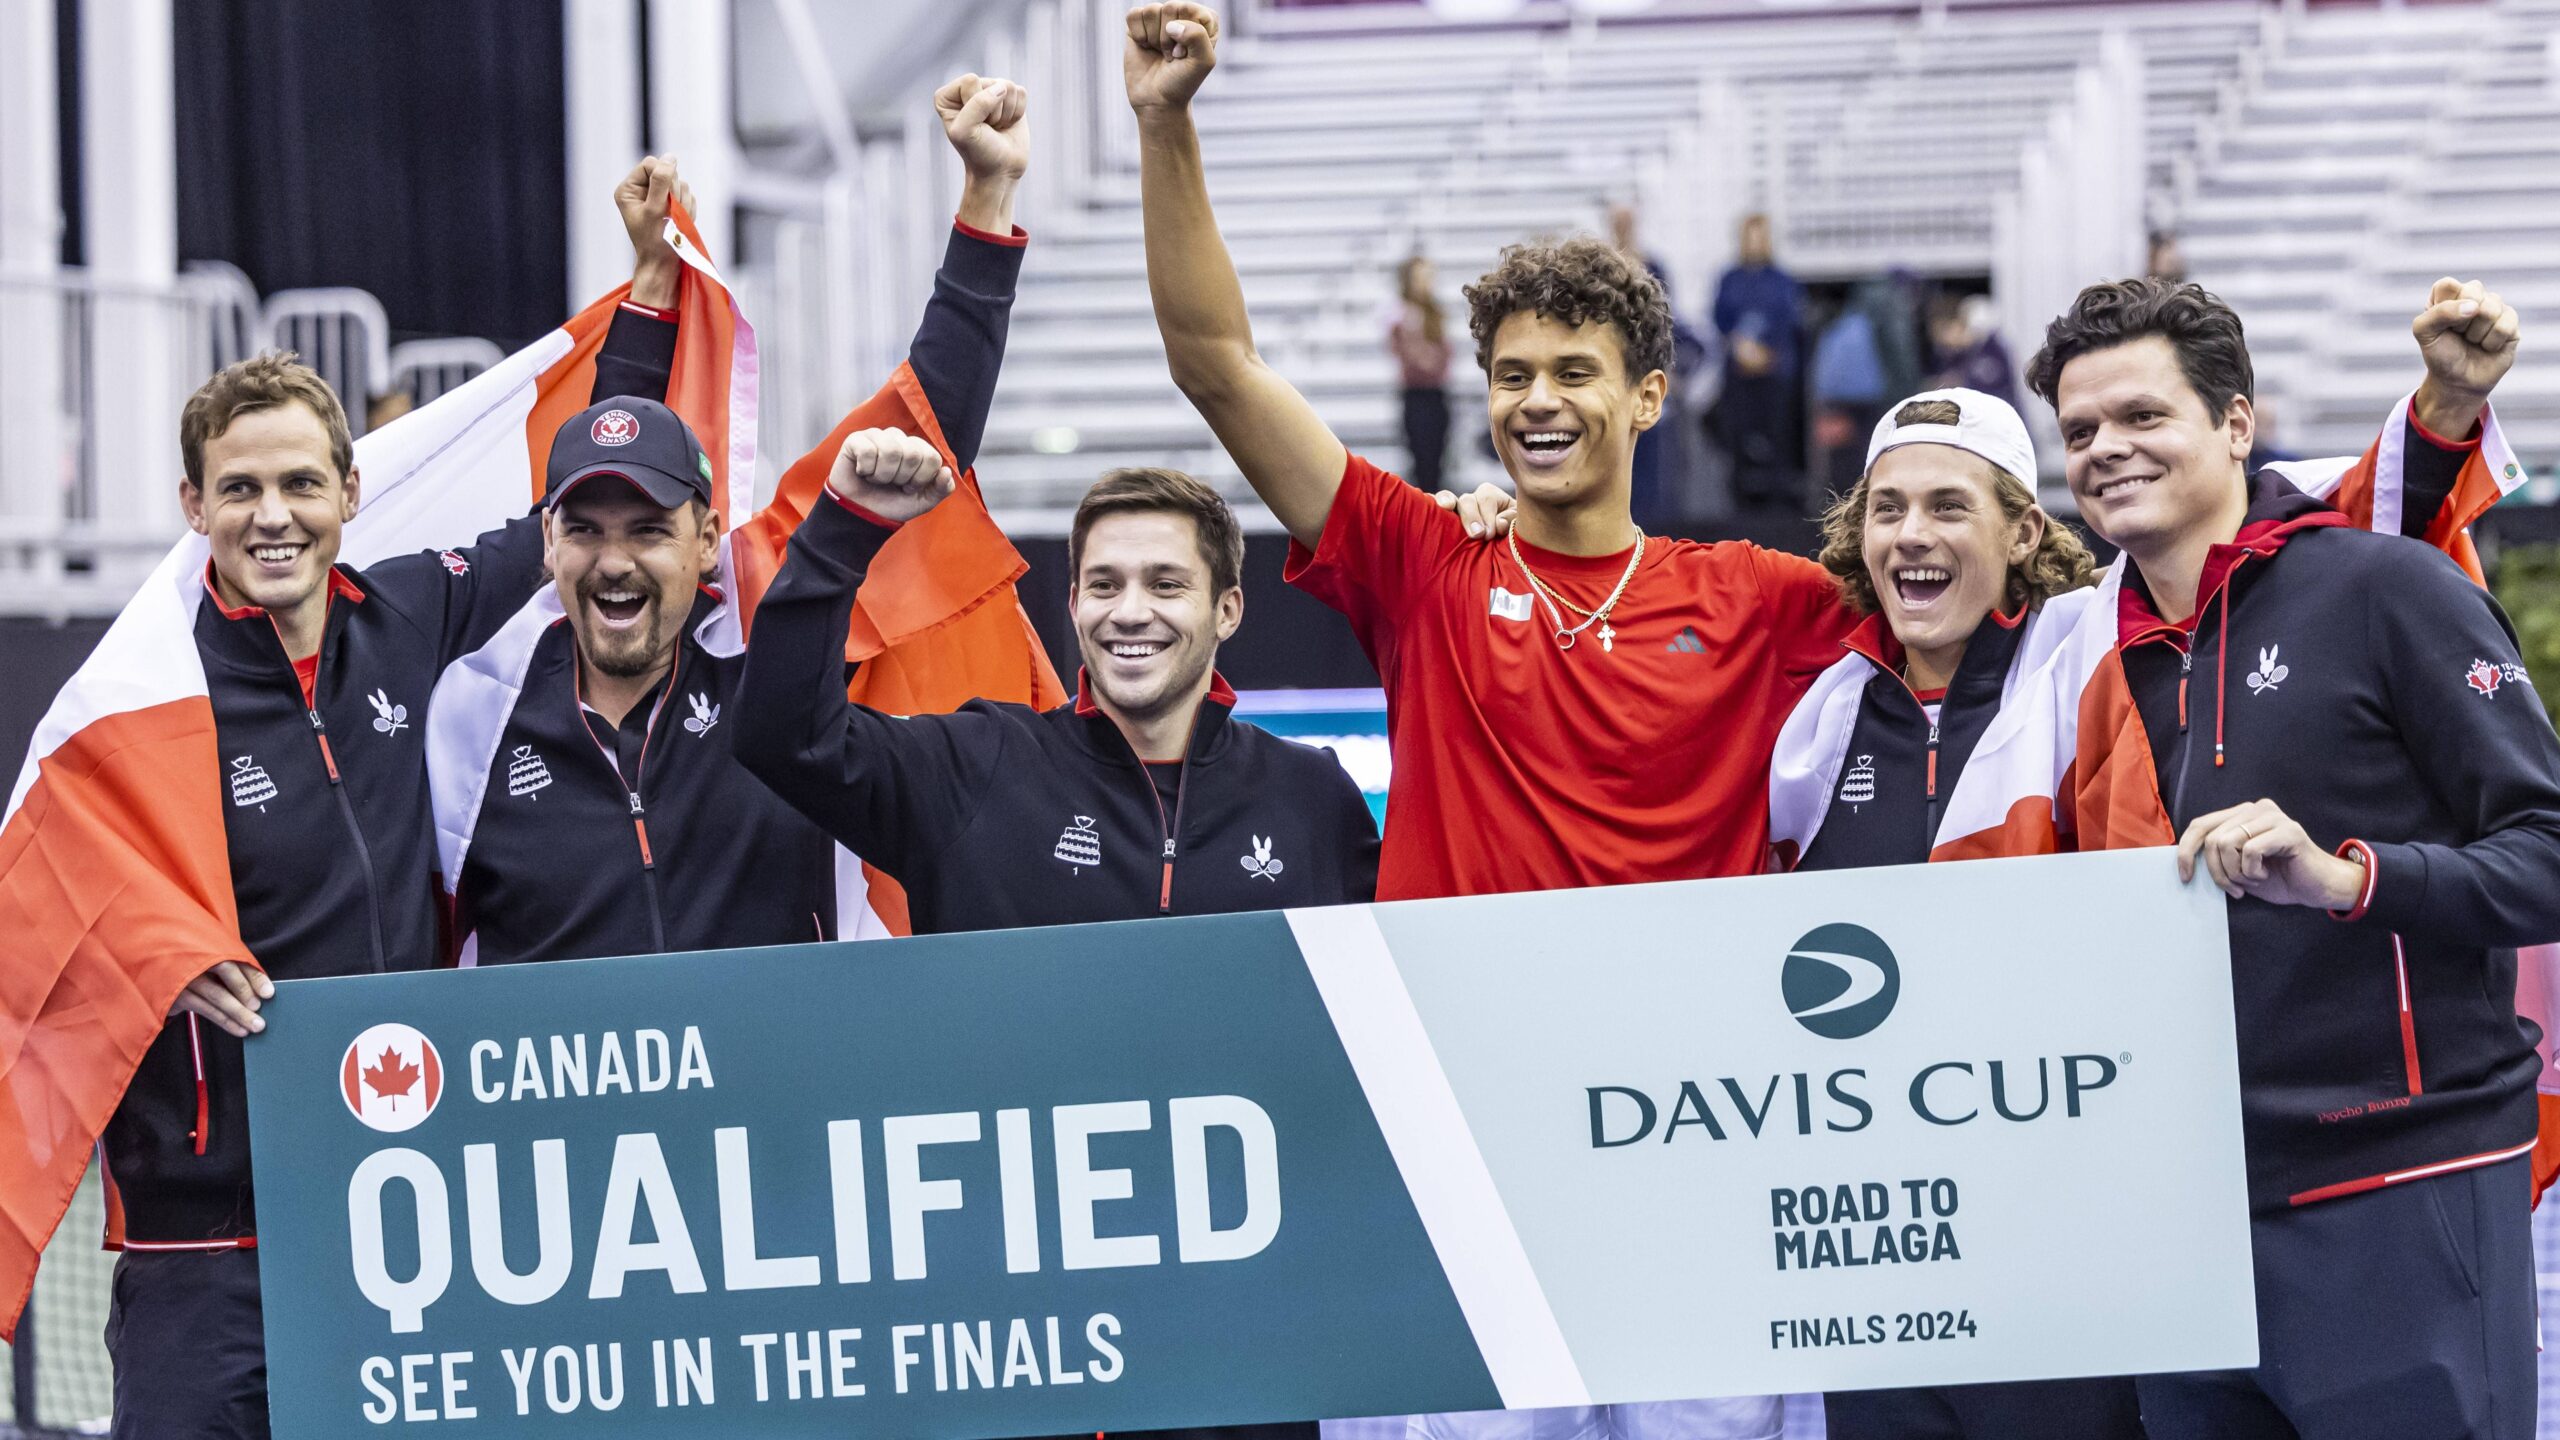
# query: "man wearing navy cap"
(586, 798)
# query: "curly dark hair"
(2061, 560)
(2213, 353)
(1576, 281)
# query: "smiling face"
(1565, 409)
(274, 507)
(1148, 618)
(627, 569)
(1939, 549)
(2155, 471)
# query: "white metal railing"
(426, 369)
(98, 374)
(339, 331)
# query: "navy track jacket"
(1001, 815)
(2364, 684)
(325, 812)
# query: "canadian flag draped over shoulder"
(115, 884)
(2067, 676)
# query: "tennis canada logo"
(391, 1077)
(1840, 981)
(615, 427)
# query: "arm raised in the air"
(1288, 454)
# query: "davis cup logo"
(391, 1077)
(1840, 981)
(615, 427)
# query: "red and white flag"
(2068, 675)
(115, 884)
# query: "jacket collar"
(1983, 670)
(1209, 729)
(2277, 513)
(342, 586)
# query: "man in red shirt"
(1580, 705)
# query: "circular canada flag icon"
(391, 1077)
(615, 427)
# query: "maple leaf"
(391, 1075)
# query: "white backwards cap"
(1985, 424)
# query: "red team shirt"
(1523, 766)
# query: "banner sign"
(1941, 1123)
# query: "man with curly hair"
(1582, 704)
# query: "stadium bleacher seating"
(2322, 166)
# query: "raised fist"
(1172, 48)
(987, 122)
(643, 198)
(2468, 337)
(892, 474)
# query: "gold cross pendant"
(1607, 637)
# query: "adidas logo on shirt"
(1687, 642)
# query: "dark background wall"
(416, 150)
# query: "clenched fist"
(892, 474)
(1172, 48)
(2468, 337)
(987, 122)
(643, 197)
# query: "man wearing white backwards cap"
(1941, 546)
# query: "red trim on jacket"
(2400, 1177)
(883, 521)
(2408, 1017)
(1220, 693)
(1019, 238)
(2439, 441)
(339, 585)
(651, 311)
(2138, 621)
(2363, 854)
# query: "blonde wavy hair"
(2061, 562)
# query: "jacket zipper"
(364, 852)
(631, 792)
(2178, 791)
(203, 1133)
(1169, 829)
(1933, 779)
(346, 807)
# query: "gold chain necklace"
(1599, 617)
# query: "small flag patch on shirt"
(1511, 604)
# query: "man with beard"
(610, 817)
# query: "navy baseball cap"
(637, 440)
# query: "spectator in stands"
(1759, 310)
(1419, 339)
(2165, 260)
(1969, 352)
(1867, 354)
(1660, 466)
(330, 847)
(1848, 395)
(2266, 444)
